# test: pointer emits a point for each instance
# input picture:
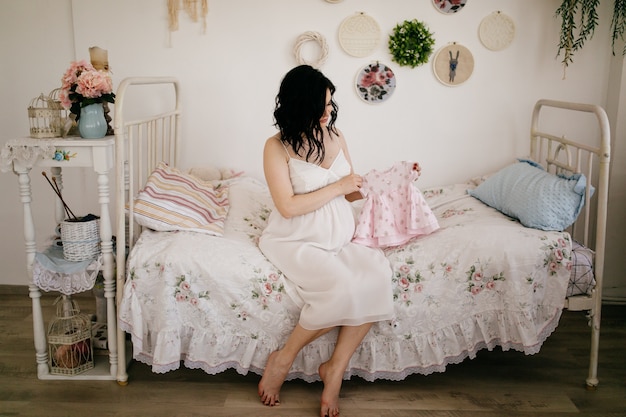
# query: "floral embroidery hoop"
(308, 37)
(375, 83)
(449, 6)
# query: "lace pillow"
(536, 198)
(172, 200)
(250, 207)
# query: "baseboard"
(6, 289)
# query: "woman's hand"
(350, 183)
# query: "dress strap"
(284, 147)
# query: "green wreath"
(411, 43)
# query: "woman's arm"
(289, 204)
(355, 195)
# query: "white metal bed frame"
(146, 142)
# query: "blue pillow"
(536, 198)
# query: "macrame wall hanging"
(196, 9)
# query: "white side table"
(22, 155)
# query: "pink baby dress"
(394, 210)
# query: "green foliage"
(569, 10)
(618, 24)
(411, 43)
(582, 15)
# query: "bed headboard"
(147, 123)
(589, 156)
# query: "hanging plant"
(411, 43)
(584, 13)
(618, 23)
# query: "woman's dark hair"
(300, 104)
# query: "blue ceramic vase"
(92, 124)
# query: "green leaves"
(583, 14)
(618, 23)
(411, 43)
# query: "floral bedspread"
(215, 303)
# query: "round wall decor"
(311, 37)
(453, 64)
(449, 6)
(411, 43)
(496, 31)
(359, 35)
(375, 83)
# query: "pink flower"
(562, 243)
(418, 288)
(476, 290)
(558, 254)
(93, 84)
(194, 301)
(82, 85)
(553, 266)
(403, 282)
(404, 269)
(491, 285)
(268, 288)
(368, 79)
(73, 72)
(478, 276)
(185, 286)
(273, 277)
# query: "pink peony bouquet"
(82, 85)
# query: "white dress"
(334, 281)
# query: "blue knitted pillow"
(536, 198)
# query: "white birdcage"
(44, 115)
(70, 345)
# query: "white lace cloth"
(51, 272)
(26, 151)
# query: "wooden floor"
(496, 384)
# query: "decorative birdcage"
(70, 345)
(69, 127)
(44, 115)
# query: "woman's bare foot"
(273, 378)
(332, 378)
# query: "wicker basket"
(81, 239)
(44, 115)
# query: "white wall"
(230, 76)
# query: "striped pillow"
(172, 200)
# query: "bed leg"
(594, 322)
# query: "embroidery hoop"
(496, 31)
(447, 7)
(441, 64)
(311, 36)
(371, 93)
(359, 35)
